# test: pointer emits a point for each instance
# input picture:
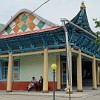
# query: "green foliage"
(97, 23)
(98, 38)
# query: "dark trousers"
(39, 87)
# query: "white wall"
(30, 66)
(52, 60)
(34, 66)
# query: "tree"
(97, 25)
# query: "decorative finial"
(82, 5)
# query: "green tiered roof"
(80, 39)
(81, 20)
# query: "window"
(16, 69)
(4, 69)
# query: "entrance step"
(87, 82)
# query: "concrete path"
(87, 94)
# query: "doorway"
(63, 74)
(87, 73)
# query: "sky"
(53, 10)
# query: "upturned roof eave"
(73, 20)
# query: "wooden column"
(9, 79)
(94, 73)
(99, 75)
(97, 72)
(58, 73)
(45, 78)
(70, 54)
(79, 72)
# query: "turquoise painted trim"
(0, 70)
(55, 46)
(2, 79)
(13, 70)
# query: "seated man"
(32, 83)
(40, 84)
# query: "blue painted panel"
(16, 69)
(55, 46)
(64, 78)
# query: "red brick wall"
(50, 86)
(23, 85)
(20, 85)
(3, 85)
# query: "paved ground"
(87, 94)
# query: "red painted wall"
(23, 85)
(50, 86)
(3, 85)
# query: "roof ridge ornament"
(82, 5)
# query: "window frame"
(1, 62)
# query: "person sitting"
(40, 84)
(32, 83)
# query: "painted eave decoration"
(25, 21)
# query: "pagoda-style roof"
(51, 37)
(80, 39)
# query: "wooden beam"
(86, 55)
(3, 56)
(56, 50)
(27, 53)
(34, 52)
(97, 59)
(49, 51)
(83, 54)
(73, 50)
